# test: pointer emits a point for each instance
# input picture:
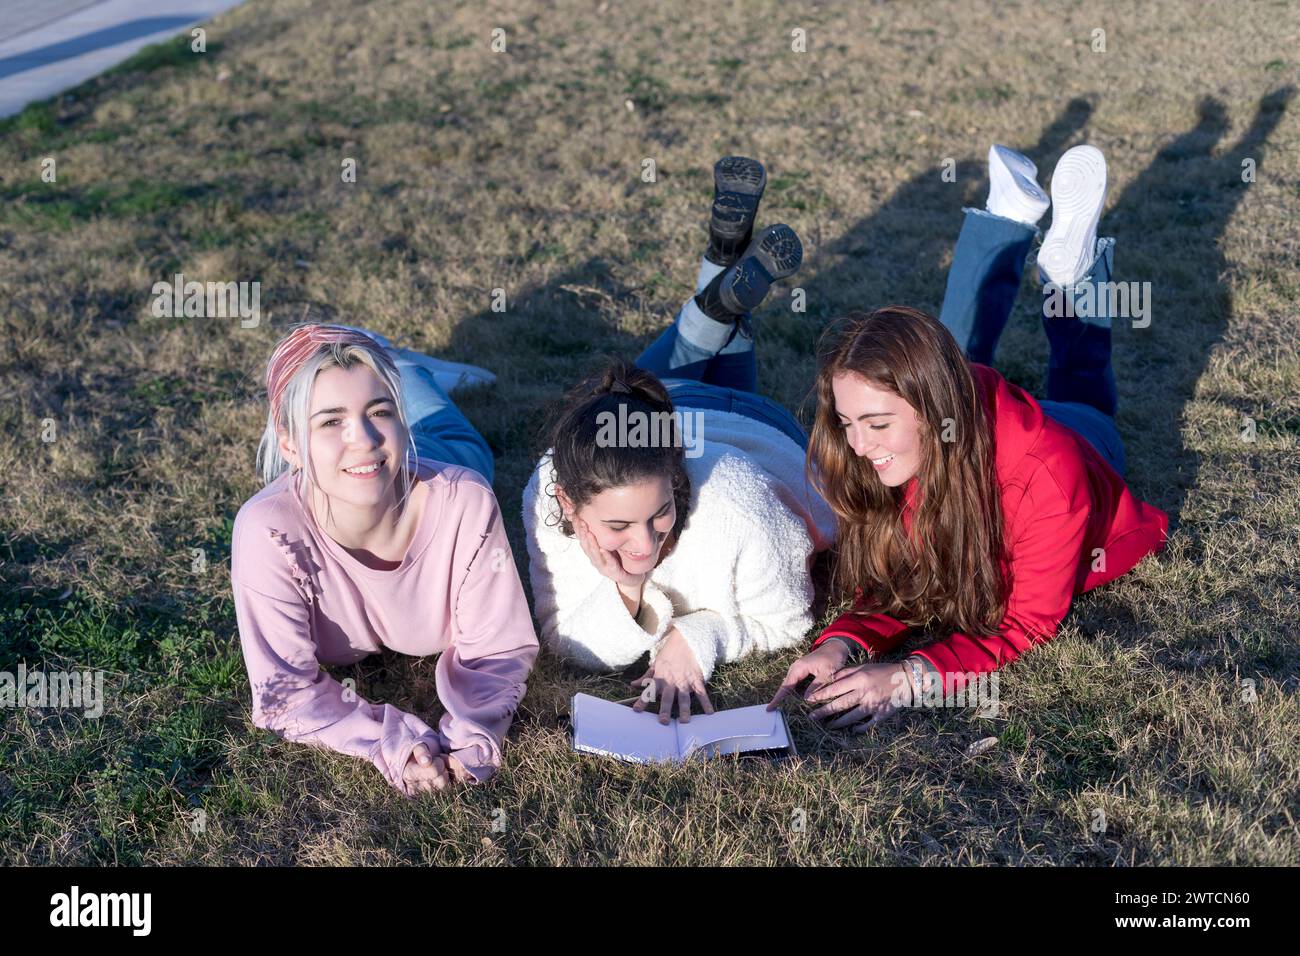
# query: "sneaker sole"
(740, 175)
(1025, 175)
(1014, 160)
(1078, 193)
(738, 184)
(776, 253)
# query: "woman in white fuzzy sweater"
(673, 517)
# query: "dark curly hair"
(584, 466)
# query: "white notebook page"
(616, 730)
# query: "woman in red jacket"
(964, 504)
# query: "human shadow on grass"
(1170, 221)
(899, 252)
(541, 332)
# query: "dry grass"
(522, 171)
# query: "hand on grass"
(860, 697)
(820, 664)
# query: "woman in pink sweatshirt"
(377, 528)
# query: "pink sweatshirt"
(301, 600)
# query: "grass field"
(522, 170)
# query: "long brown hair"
(950, 571)
(584, 466)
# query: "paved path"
(47, 46)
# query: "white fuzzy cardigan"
(737, 581)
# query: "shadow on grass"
(1169, 223)
(895, 254)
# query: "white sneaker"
(1014, 192)
(449, 375)
(1078, 193)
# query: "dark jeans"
(706, 364)
(982, 284)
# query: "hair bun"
(621, 377)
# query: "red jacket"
(1060, 502)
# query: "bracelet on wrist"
(915, 672)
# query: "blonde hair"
(294, 417)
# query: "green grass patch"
(173, 54)
(52, 206)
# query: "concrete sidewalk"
(53, 45)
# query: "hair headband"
(296, 348)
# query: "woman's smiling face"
(880, 426)
(633, 521)
(356, 441)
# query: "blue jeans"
(987, 266)
(438, 428)
(710, 365)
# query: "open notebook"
(616, 730)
